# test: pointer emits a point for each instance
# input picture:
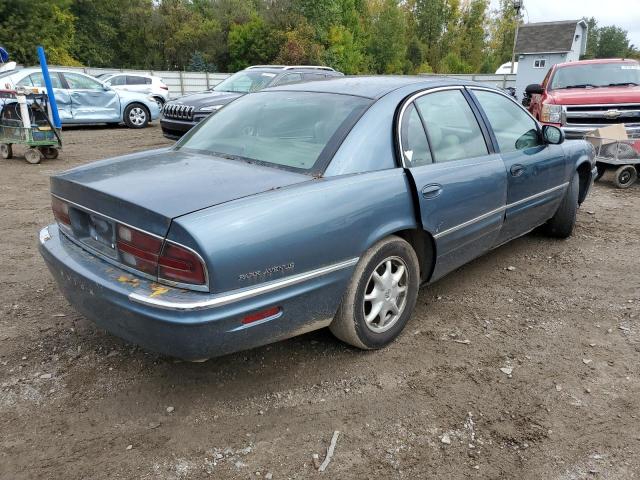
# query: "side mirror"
(552, 135)
(534, 89)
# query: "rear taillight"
(179, 264)
(174, 263)
(60, 211)
(138, 249)
(164, 87)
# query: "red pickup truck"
(585, 95)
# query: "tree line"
(353, 36)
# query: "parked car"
(300, 207)
(83, 99)
(182, 114)
(138, 83)
(589, 94)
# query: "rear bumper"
(186, 324)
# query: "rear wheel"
(380, 297)
(562, 223)
(6, 151)
(625, 176)
(159, 101)
(136, 115)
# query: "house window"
(540, 63)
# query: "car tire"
(355, 322)
(625, 176)
(136, 115)
(602, 169)
(564, 220)
(160, 101)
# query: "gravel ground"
(560, 316)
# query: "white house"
(541, 45)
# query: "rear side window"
(136, 80)
(314, 76)
(452, 127)
(37, 80)
(415, 148)
(513, 127)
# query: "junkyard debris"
(330, 450)
(446, 439)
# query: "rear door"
(460, 183)
(90, 102)
(63, 99)
(536, 171)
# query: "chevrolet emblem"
(612, 113)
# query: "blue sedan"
(324, 204)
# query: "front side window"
(290, 130)
(80, 82)
(452, 127)
(513, 127)
(415, 147)
(245, 82)
(118, 80)
(290, 78)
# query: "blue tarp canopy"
(4, 55)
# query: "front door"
(90, 101)
(461, 187)
(535, 170)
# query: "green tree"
(612, 42)
(252, 43)
(387, 46)
(26, 24)
(343, 53)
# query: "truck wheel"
(6, 151)
(562, 223)
(625, 176)
(380, 297)
(136, 115)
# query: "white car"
(138, 83)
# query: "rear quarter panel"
(296, 229)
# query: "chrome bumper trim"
(241, 294)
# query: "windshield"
(291, 130)
(596, 75)
(245, 82)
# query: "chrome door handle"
(516, 170)
(431, 191)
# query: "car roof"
(372, 87)
(295, 69)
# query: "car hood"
(594, 96)
(149, 189)
(209, 97)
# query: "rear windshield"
(292, 130)
(596, 75)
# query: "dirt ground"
(562, 316)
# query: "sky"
(622, 13)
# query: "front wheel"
(6, 151)
(562, 223)
(380, 297)
(136, 116)
(625, 176)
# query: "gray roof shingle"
(546, 37)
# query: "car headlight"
(551, 113)
(211, 108)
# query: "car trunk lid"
(147, 190)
